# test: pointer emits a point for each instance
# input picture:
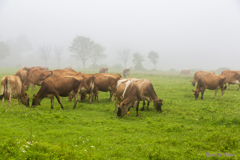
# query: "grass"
(187, 128)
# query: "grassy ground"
(187, 129)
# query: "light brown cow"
(28, 69)
(185, 72)
(36, 77)
(11, 87)
(126, 72)
(211, 82)
(106, 82)
(232, 77)
(58, 87)
(139, 90)
(199, 74)
(103, 70)
(22, 74)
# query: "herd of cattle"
(69, 83)
(127, 92)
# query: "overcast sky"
(187, 34)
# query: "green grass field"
(186, 129)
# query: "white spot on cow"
(236, 82)
(120, 81)
(127, 84)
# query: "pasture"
(186, 129)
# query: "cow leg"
(90, 98)
(116, 102)
(238, 87)
(80, 98)
(52, 101)
(59, 100)
(216, 91)
(223, 91)
(148, 105)
(202, 93)
(75, 100)
(137, 108)
(143, 100)
(111, 94)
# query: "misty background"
(186, 34)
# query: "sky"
(187, 34)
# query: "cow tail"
(4, 89)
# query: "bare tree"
(124, 54)
(153, 57)
(58, 50)
(45, 53)
(97, 53)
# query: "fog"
(187, 34)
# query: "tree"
(97, 53)
(58, 50)
(137, 60)
(124, 54)
(153, 56)
(82, 48)
(4, 50)
(45, 53)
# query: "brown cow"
(126, 72)
(185, 72)
(106, 82)
(103, 70)
(139, 90)
(11, 87)
(199, 74)
(232, 77)
(85, 89)
(22, 74)
(28, 69)
(36, 77)
(212, 82)
(58, 87)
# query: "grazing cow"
(126, 72)
(28, 69)
(106, 82)
(232, 77)
(185, 72)
(11, 87)
(122, 85)
(58, 87)
(199, 74)
(103, 70)
(139, 90)
(36, 77)
(212, 82)
(22, 74)
(64, 72)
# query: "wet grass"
(186, 129)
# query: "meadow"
(186, 129)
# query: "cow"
(211, 82)
(103, 70)
(122, 85)
(139, 90)
(126, 72)
(185, 72)
(58, 87)
(199, 74)
(28, 69)
(85, 89)
(36, 77)
(22, 74)
(232, 77)
(11, 87)
(106, 82)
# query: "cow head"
(25, 99)
(158, 105)
(193, 83)
(196, 94)
(122, 110)
(36, 101)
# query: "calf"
(212, 82)
(11, 87)
(58, 87)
